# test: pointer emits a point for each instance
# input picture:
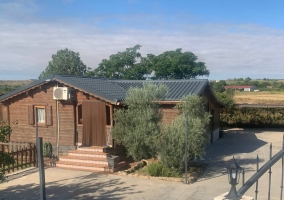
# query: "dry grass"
(15, 82)
(262, 97)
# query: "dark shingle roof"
(176, 88)
(101, 87)
(115, 90)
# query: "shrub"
(172, 148)
(137, 126)
(47, 149)
(5, 158)
(158, 169)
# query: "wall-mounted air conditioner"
(61, 93)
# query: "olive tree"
(137, 125)
(172, 149)
(5, 158)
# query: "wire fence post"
(256, 184)
(281, 187)
(269, 183)
(186, 141)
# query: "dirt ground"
(262, 97)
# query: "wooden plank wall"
(169, 113)
(3, 113)
(67, 123)
(18, 111)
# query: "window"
(80, 118)
(40, 113)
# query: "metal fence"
(260, 172)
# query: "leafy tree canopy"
(65, 62)
(137, 126)
(123, 65)
(178, 65)
(218, 86)
(130, 64)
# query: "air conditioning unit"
(61, 93)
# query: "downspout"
(58, 126)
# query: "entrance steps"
(87, 159)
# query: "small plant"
(6, 130)
(47, 149)
(5, 158)
(107, 146)
(158, 169)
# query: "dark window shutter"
(48, 110)
(31, 115)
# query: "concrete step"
(92, 148)
(84, 159)
(87, 154)
(89, 166)
(84, 166)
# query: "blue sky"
(235, 38)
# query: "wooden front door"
(94, 123)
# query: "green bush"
(158, 169)
(172, 149)
(47, 149)
(5, 158)
(137, 126)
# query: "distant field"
(262, 97)
(15, 82)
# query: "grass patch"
(154, 168)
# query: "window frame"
(77, 115)
(35, 110)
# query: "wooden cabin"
(78, 110)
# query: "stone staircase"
(88, 159)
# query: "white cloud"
(228, 50)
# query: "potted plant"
(112, 160)
(107, 149)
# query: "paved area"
(244, 145)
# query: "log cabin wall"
(4, 112)
(169, 113)
(21, 108)
(19, 111)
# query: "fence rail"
(24, 157)
(13, 146)
(260, 172)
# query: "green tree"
(65, 62)
(123, 65)
(172, 148)
(137, 126)
(5, 158)
(130, 64)
(178, 65)
(218, 86)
